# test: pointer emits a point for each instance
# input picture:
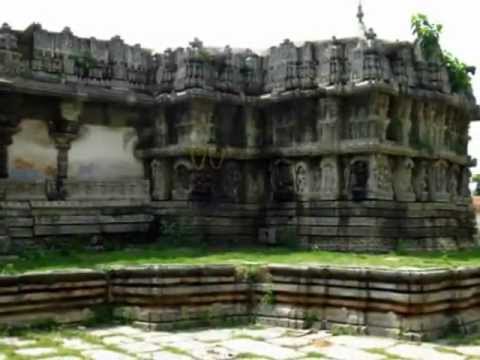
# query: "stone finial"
(67, 30)
(196, 43)
(360, 13)
(368, 33)
(6, 27)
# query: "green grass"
(78, 259)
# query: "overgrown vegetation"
(428, 38)
(253, 257)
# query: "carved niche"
(454, 182)
(282, 180)
(329, 179)
(403, 180)
(356, 176)
(438, 181)
(302, 180)
(232, 180)
(420, 181)
(159, 179)
(405, 111)
(182, 180)
(429, 112)
(378, 115)
(465, 185)
(160, 129)
(328, 116)
(380, 182)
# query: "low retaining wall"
(58, 297)
(404, 303)
(414, 304)
(181, 296)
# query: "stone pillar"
(62, 144)
(6, 134)
(63, 131)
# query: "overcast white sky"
(256, 24)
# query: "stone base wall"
(212, 223)
(58, 297)
(412, 304)
(170, 297)
(372, 226)
(37, 223)
(369, 226)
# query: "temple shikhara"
(354, 144)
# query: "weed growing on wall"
(428, 38)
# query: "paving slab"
(214, 335)
(16, 342)
(105, 331)
(292, 342)
(164, 355)
(421, 352)
(139, 347)
(150, 335)
(260, 348)
(77, 344)
(129, 330)
(340, 352)
(173, 337)
(362, 342)
(194, 348)
(268, 333)
(36, 351)
(118, 340)
(469, 350)
(105, 355)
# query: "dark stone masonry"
(354, 144)
(408, 304)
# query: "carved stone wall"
(324, 138)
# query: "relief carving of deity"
(453, 182)
(301, 179)
(381, 177)
(440, 176)
(402, 180)
(232, 180)
(420, 183)
(329, 183)
(379, 114)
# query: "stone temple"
(354, 144)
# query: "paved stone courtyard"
(128, 343)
